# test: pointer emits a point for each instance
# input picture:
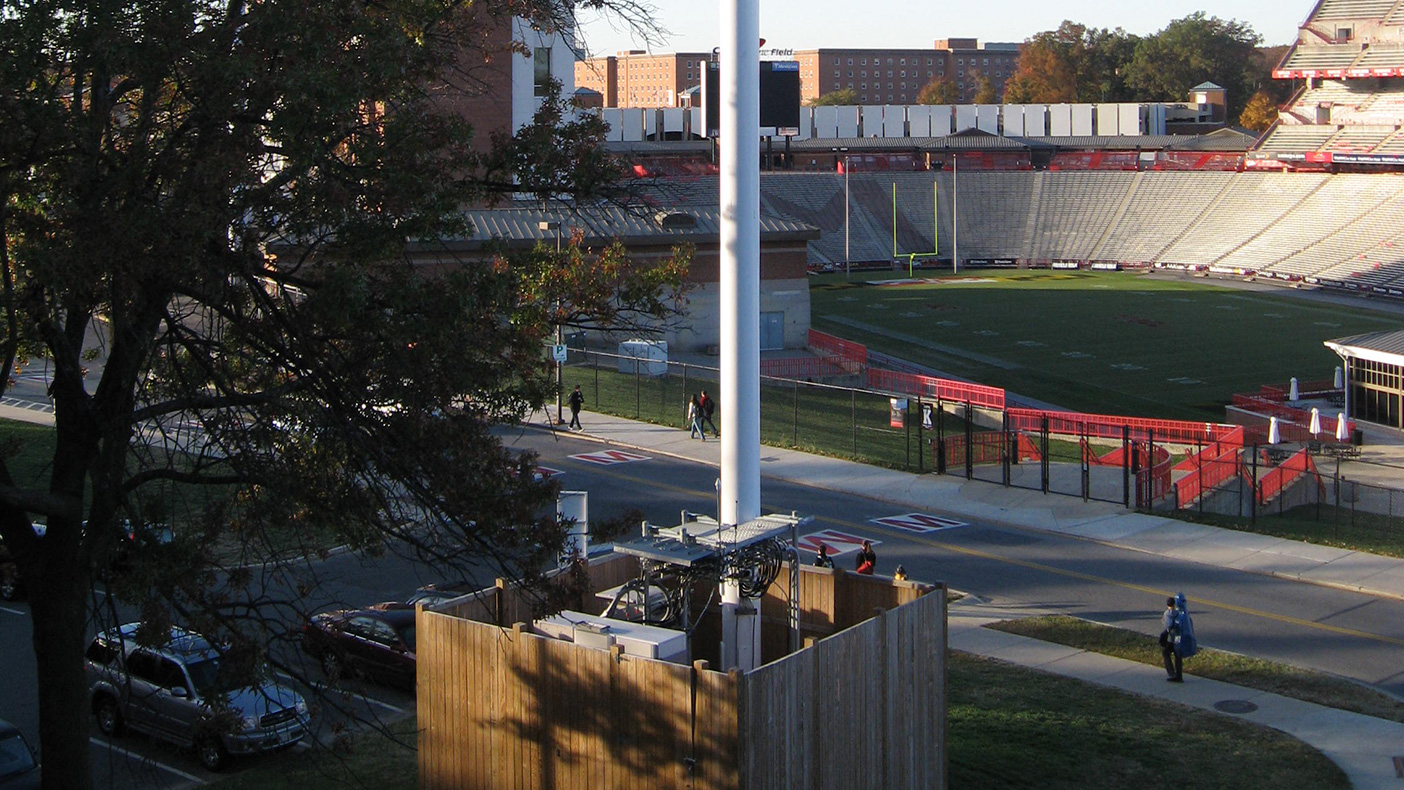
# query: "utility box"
(635, 639)
(649, 357)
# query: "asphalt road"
(1344, 633)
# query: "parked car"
(431, 595)
(177, 692)
(374, 643)
(18, 768)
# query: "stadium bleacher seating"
(1335, 56)
(1289, 137)
(1161, 208)
(1353, 9)
(1074, 212)
(1357, 139)
(1252, 203)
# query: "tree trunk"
(59, 618)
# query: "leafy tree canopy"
(206, 211)
(941, 90)
(843, 97)
(1192, 50)
(1074, 63)
(1260, 113)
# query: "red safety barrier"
(1210, 472)
(1276, 481)
(1028, 451)
(1235, 440)
(933, 388)
(808, 367)
(847, 349)
(1117, 457)
(1104, 426)
(1293, 422)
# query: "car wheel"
(109, 719)
(9, 589)
(211, 752)
(331, 666)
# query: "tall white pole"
(847, 266)
(740, 261)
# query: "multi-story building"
(896, 76)
(877, 76)
(641, 79)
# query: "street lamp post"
(555, 225)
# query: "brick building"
(641, 79)
(896, 76)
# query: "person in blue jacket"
(1177, 640)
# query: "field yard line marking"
(1203, 602)
(11, 611)
(128, 753)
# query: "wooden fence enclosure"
(861, 705)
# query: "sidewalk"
(1364, 747)
(993, 503)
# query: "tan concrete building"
(641, 79)
(896, 76)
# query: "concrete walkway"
(1369, 750)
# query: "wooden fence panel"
(510, 709)
(864, 708)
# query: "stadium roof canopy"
(1384, 346)
(518, 226)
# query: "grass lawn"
(1008, 727)
(381, 760)
(1102, 342)
(1240, 670)
(1324, 526)
(1011, 727)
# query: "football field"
(1102, 342)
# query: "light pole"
(555, 225)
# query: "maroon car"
(373, 643)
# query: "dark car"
(374, 643)
(431, 595)
(18, 768)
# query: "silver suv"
(175, 692)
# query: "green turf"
(1101, 342)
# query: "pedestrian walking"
(1177, 640)
(576, 400)
(822, 559)
(694, 418)
(709, 407)
(866, 562)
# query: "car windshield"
(204, 674)
(14, 755)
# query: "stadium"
(1157, 300)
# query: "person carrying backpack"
(1177, 641)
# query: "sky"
(902, 24)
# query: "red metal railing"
(808, 367)
(1208, 474)
(1235, 440)
(1105, 426)
(932, 387)
(847, 349)
(1276, 481)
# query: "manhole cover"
(1235, 706)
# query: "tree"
(843, 97)
(1074, 63)
(1260, 113)
(151, 156)
(1193, 50)
(984, 91)
(941, 90)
